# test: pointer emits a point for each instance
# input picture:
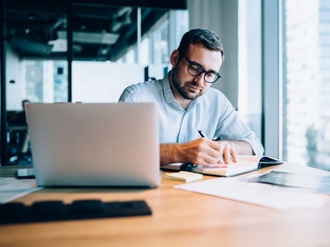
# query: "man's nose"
(199, 79)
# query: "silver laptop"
(110, 144)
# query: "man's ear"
(174, 59)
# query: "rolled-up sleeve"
(232, 127)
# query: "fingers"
(233, 155)
(228, 153)
(212, 152)
(219, 153)
(204, 151)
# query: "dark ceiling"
(101, 30)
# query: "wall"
(221, 16)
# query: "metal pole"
(3, 111)
(138, 23)
(69, 47)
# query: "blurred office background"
(275, 70)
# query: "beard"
(190, 90)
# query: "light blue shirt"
(212, 113)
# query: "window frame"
(272, 82)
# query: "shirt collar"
(168, 94)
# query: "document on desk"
(306, 181)
(282, 198)
(12, 188)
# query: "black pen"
(201, 133)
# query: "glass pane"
(46, 80)
(36, 67)
(249, 100)
(101, 34)
(108, 54)
(306, 138)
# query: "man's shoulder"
(147, 85)
(214, 98)
(141, 91)
(215, 93)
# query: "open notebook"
(246, 163)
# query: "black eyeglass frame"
(201, 70)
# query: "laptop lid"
(94, 144)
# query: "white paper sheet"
(276, 197)
(12, 188)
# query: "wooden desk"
(179, 218)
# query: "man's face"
(187, 86)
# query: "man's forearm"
(194, 151)
(169, 153)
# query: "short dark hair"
(203, 36)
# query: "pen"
(201, 133)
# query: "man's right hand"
(201, 151)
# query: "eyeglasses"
(196, 69)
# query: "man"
(186, 104)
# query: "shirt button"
(181, 138)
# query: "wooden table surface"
(179, 218)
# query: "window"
(110, 47)
(306, 82)
(249, 64)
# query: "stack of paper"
(12, 188)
